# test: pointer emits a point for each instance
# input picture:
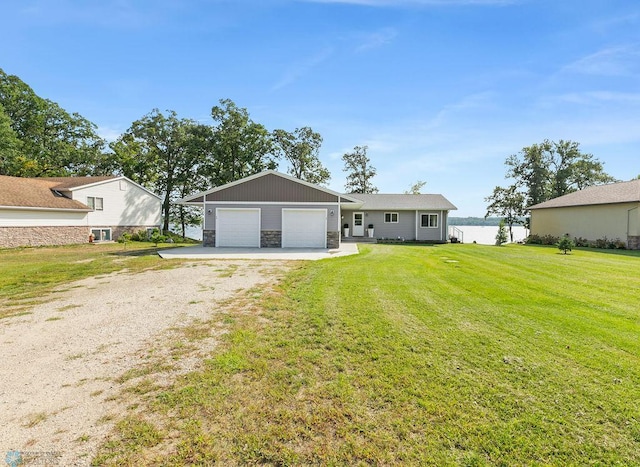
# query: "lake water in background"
(486, 234)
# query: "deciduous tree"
(152, 152)
(9, 145)
(300, 149)
(240, 147)
(507, 203)
(359, 171)
(552, 169)
(416, 188)
(53, 141)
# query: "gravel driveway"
(61, 363)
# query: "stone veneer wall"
(209, 238)
(333, 240)
(633, 242)
(12, 237)
(270, 239)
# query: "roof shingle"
(400, 202)
(35, 193)
(613, 193)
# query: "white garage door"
(238, 227)
(304, 228)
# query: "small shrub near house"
(536, 239)
(565, 244)
(582, 242)
(157, 237)
(501, 236)
(140, 236)
(578, 242)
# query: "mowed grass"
(444, 355)
(28, 274)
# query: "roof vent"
(58, 194)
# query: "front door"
(358, 224)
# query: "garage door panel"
(238, 227)
(304, 228)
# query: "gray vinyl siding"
(405, 227)
(271, 214)
(272, 188)
(433, 234)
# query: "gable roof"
(198, 198)
(73, 183)
(399, 202)
(614, 193)
(68, 183)
(35, 193)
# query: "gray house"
(408, 217)
(271, 209)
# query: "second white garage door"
(238, 227)
(304, 228)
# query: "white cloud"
(601, 97)
(613, 61)
(376, 39)
(401, 3)
(109, 133)
(112, 13)
(301, 68)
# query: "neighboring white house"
(67, 210)
(604, 211)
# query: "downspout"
(416, 225)
(339, 214)
(444, 228)
(204, 215)
(629, 224)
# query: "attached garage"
(304, 228)
(270, 210)
(238, 227)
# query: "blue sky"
(440, 90)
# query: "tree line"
(167, 154)
(175, 156)
(541, 172)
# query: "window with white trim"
(429, 221)
(101, 235)
(97, 204)
(390, 217)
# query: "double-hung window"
(429, 221)
(390, 217)
(97, 204)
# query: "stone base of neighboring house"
(12, 237)
(633, 242)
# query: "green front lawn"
(442, 355)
